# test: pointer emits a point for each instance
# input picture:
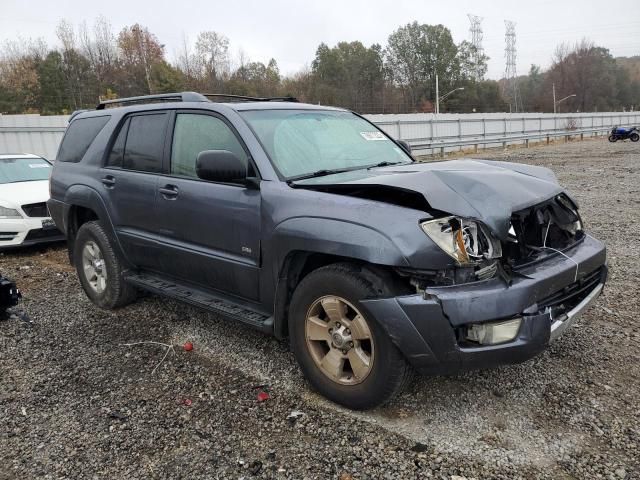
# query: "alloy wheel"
(94, 267)
(339, 340)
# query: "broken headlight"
(574, 223)
(466, 241)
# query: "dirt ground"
(76, 402)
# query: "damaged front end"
(535, 233)
(544, 229)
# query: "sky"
(290, 31)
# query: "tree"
(19, 74)
(416, 53)
(53, 87)
(165, 78)
(212, 49)
(139, 51)
(587, 71)
(472, 64)
(100, 49)
(80, 80)
(532, 89)
(256, 79)
(349, 74)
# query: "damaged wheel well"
(299, 264)
(77, 217)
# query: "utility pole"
(554, 97)
(510, 73)
(476, 40)
(437, 96)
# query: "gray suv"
(311, 223)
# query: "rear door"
(130, 181)
(211, 230)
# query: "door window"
(117, 150)
(195, 133)
(145, 142)
(80, 135)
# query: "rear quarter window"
(79, 136)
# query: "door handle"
(109, 181)
(169, 192)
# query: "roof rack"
(175, 97)
(188, 97)
(251, 99)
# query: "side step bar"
(201, 299)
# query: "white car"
(24, 191)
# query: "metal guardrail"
(429, 134)
(506, 140)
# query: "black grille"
(39, 234)
(573, 294)
(36, 209)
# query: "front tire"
(99, 268)
(634, 137)
(613, 138)
(343, 352)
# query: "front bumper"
(21, 232)
(549, 296)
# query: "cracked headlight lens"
(9, 213)
(464, 240)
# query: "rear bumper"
(548, 296)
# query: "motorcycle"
(621, 133)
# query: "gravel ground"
(77, 403)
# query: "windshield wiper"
(325, 171)
(321, 173)
(383, 164)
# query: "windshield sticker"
(373, 136)
(38, 165)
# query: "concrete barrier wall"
(41, 135)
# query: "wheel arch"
(84, 205)
(300, 263)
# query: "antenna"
(510, 74)
(476, 40)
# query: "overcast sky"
(290, 31)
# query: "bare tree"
(213, 50)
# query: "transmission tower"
(510, 74)
(476, 40)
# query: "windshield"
(301, 142)
(14, 170)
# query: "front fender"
(336, 237)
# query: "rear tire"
(99, 268)
(364, 369)
(613, 138)
(634, 137)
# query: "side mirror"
(220, 166)
(404, 145)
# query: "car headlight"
(9, 213)
(464, 240)
(573, 224)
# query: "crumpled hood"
(485, 190)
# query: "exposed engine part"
(551, 225)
